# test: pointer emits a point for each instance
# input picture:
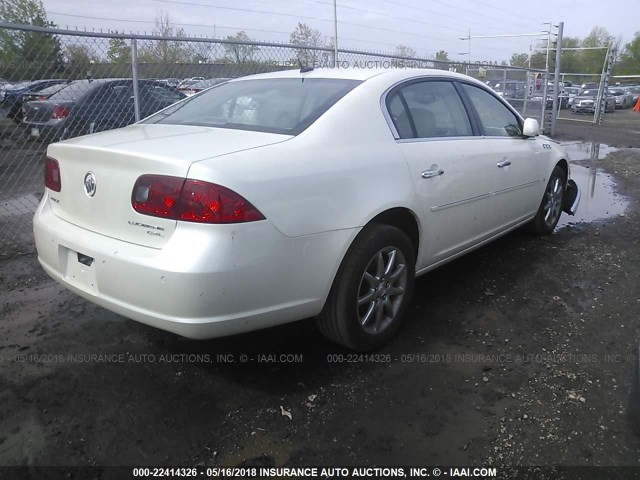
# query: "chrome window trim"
(439, 139)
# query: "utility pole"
(556, 80)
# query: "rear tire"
(550, 207)
(371, 291)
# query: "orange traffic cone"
(637, 107)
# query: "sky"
(427, 26)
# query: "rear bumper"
(208, 281)
(48, 131)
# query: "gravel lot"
(518, 354)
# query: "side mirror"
(531, 128)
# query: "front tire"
(371, 291)
(550, 207)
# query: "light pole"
(468, 52)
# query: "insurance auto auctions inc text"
(359, 472)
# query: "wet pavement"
(600, 198)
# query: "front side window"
(496, 119)
(276, 105)
(429, 109)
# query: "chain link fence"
(58, 84)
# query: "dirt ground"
(518, 354)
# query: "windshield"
(275, 105)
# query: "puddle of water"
(599, 200)
(587, 150)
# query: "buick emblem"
(90, 184)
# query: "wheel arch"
(564, 165)
(404, 220)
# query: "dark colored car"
(14, 97)
(88, 106)
(43, 94)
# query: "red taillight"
(52, 178)
(190, 200)
(60, 112)
(42, 97)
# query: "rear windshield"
(52, 89)
(74, 90)
(275, 105)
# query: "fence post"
(556, 78)
(335, 31)
(134, 74)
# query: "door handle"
(432, 173)
(504, 163)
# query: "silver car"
(624, 98)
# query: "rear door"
(109, 107)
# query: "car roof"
(361, 74)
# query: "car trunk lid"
(116, 159)
(40, 111)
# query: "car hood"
(183, 142)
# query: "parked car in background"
(88, 106)
(590, 86)
(635, 92)
(4, 84)
(511, 89)
(565, 99)
(586, 102)
(189, 81)
(623, 97)
(293, 194)
(569, 93)
(43, 94)
(14, 96)
(198, 86)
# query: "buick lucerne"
(282, 196)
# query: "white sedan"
(295, 194)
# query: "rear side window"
(496, 119)
(114, 93)
(429, 109)
(282, 105)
